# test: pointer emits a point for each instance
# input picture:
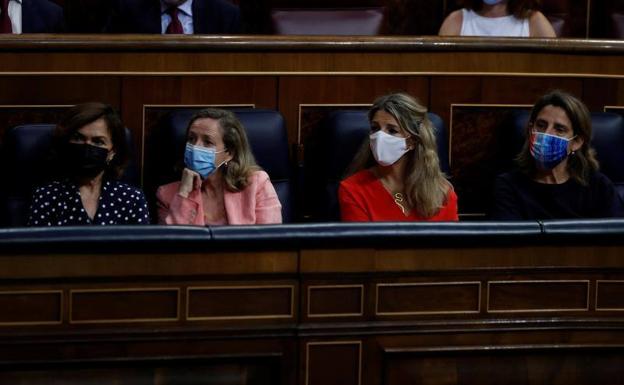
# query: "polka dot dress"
(59, 204)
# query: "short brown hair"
(237, 171)
(583, 162)
(519, 8)
(79, 116)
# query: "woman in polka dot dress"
(90, 147)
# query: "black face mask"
(84, 160)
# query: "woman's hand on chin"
(190, 181)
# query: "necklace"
(398, 198)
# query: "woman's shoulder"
(359, 178)
(514, 180)
(451, 26)
(123, 187)
(53, 186)
(539, 26)
(513, 176)
(168, 190)
(596, 178)
(258, 176)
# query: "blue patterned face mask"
(201, 159)
(492, 2)
(548, 150)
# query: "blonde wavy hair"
(425, 185)
(236, 172)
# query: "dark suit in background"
(144, 16)
(42, 16)
(87, 16)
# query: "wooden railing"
(389, 303)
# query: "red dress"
(363, 198)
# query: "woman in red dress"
(396, 174)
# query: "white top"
(15, 13)
(475, 25)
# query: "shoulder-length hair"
(519, 8)
(426, 187)
(583, 161)
(236, 172)
(79, 116)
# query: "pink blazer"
(256, 204)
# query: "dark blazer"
(42, 16)
(144, 16)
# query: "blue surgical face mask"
(548, 150)
(492, 2)
(201, 159)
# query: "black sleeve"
(39, 213)
(141, 210)
(618, 206)
(609, 202)
(505, 206)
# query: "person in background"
(557, 176)
(221, 183)
(174, 17)
(514, 18)
(90, 149)
(396, 174)
(30, 16)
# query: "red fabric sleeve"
(350, 209)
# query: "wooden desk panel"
(409, 315)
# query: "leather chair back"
(347, 21)
(558, 12)
(617, 25)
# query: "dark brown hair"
(519, 8)
(79, 116)
(237, 171)
(583, 162)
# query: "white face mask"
(387, 149)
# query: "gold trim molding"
(329, 343)
(33, 323)
(464, 283)
(243, 317)
(127, 290)
(323, 315)
(606, 281)
(585, 281)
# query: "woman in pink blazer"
(221, 183)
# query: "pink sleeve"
(268, 207)
(178, 210)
